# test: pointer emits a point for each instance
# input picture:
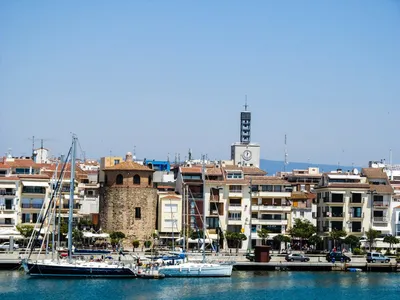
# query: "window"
(116, 161)
(120, 179)
(234, 175)
(302, 214)
(267, 188)
(138, 214)
(235, 216)
(171, 208)
(7, 221)
(170, 223)
(26, 218)
(235, 188)
(149, 180)
(136, 179)
(277, 188)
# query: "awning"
(35, 183)
(15, 237)
(338, 192)
(96, 235)
(7, 186)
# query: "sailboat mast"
(203, 171)
(71, 197)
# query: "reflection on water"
(242, 285)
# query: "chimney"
(128, 157)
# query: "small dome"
(128, 156)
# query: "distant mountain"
(274, 166)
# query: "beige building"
(169, 216)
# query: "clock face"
(246, 155)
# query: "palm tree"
(371, 236)
(302, 229)
(353, 241)
(263, 234)
(390, 239)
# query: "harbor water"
(242, 285)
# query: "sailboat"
(201, 269)
(71, 267)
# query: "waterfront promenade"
(11, 260)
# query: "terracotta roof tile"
(213, 171)
(382, 189)
(268, 180)
(9, 178)
(374, 173)
(18, 163)
(191, 170)
(129, 165)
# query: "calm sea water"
(242, 285)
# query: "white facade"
(9, 207)
(246, 154)
(169, 215)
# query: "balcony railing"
(7, 207)
(7, 193)
(381, 219)
(30, 205)
(381, 203)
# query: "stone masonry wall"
(117, 211)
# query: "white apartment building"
(169, 216)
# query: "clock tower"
(245, 153)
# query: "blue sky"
(166, 76)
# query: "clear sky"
(166, 76)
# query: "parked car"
(297, 257)
(376, 257)
(6, 246)
(338, 256)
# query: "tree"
(371, 236)
(25, 230)
(353, 241)
(116, 237)
(77, 236)
(135, 244)
(263, 234)
(390, 239)
(280, 238)
(335, 235)
(315, 240)
(236, 238)
(302, 229)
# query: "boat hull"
(197, 270)
(64, 270)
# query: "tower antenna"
(286, 155)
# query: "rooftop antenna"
(190, 154)
(390, 163)
(176, 158)
(168, 157)
(245, 103)
(286, 155)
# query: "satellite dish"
(355, 171)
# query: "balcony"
(235, 194)
(268, 222)
(7, 193)
(381, 204)
(234, 221)
(7, 207)
(356, 217)
(380, 219)
(31, 205)
(235, 207)
(271, 208)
